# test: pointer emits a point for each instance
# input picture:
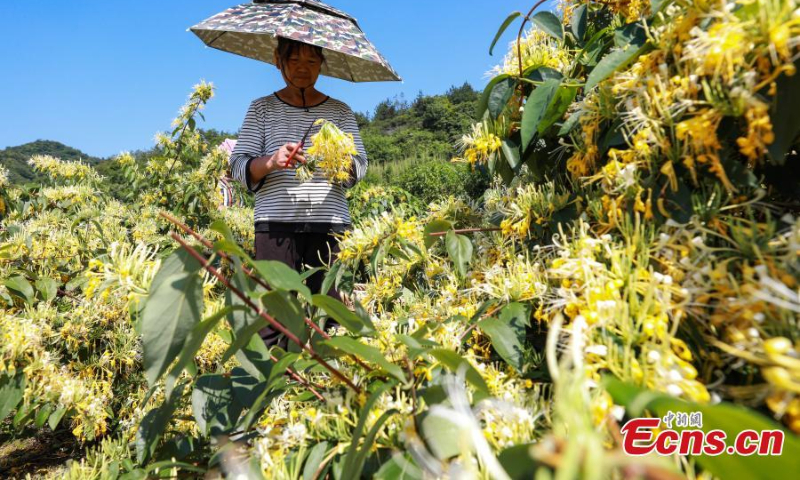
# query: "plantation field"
(625, 247)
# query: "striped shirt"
(283, 203)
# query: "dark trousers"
(297, 250)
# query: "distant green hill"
(425, 128)
(15, 159)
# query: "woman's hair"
(286, 47)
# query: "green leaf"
(569, 124)
(400, 467)
(43, 415)
(353, 462)
(330, 277)
(314, 461)
(363, 314)
(732, 419)
(785, 117)
(376, 259)
(285, 308)
(193, 343)
(631, 33)
(256, 410)
(510, 150)
(47, 287)
(491, 164)
(483, 103)
(241, 315)
(613, 61)
(550, 24)
(417, 340)
(435, 226)
(11, 390)
(281, 276)
(508, 332)
(311, 271)
(345, 280)
(540, 74)
(275, 386)
(243, 338)
(166, 465)
(503, 28)
(559, 105)
(232, 248)
(590, 54)
(177, 448)
(174, 306)
(657, 5)
(677, 203)
(368, 353)
(445, 437)
(414, 346)
(23, 414)
(255, 357)
(536, 109)
(212, 404)
(505, 172)
(339, 312)
(355, 469)
(20, 287)
(518, 462)
(454, 362)
(152, 425)
(459, 247)
(579, 22)
(246, 388)
(500, 95)
(223, 229)
(433, 394)
(55, 418)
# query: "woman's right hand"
(280, 159)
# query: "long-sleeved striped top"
(283, 203)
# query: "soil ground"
(44, 454)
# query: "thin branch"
(275, 324)
(475, 323)
(466, 230)
(207, 243)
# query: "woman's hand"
(281, 158)
(260, 167)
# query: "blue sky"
(104, 76)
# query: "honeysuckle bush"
(76, 265)
(636, 253)
(368, 200)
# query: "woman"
(294, 221)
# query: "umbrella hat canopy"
(251, 30)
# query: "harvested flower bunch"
(331, 152)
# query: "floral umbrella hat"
(251, 30)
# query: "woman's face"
(302, 68)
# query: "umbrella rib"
(211, 43)
(349, 67)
